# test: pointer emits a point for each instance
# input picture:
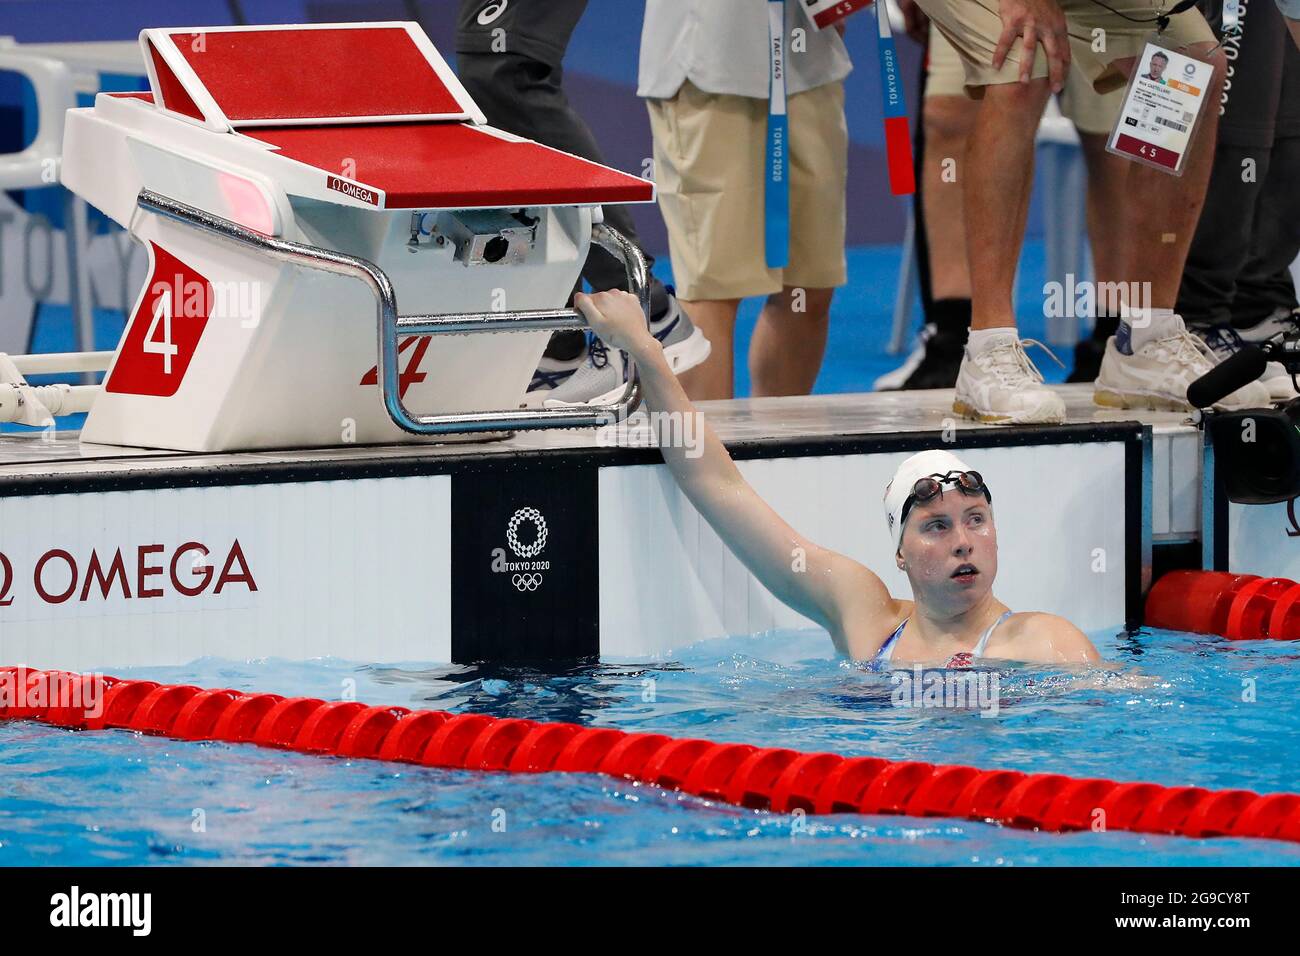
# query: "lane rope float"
(1240, 607)
(762, 778)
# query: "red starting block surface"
(373, 107)
(260, 75)
(454, 166)
(241, 76)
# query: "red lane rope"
(1240, 607)
(779, 780)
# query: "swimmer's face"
(950, 548)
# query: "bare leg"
(948, 124)
(1107, 182)
(995, 382)
(786, 352)
(715, 377)
(1163, 209)
(999, 176)
(1162, 214)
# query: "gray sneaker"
(1224, 341)
(601, 377)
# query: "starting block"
(292, 185)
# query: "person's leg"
(715, 376)
(708, 155)
(999, 177)
(1218, 260)
(1163, 210)
(1153, 358)
(526, 97)
(1107, 194)
(996, 381)
(786, 351)
(1265, 286)
(949, 122)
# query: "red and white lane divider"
(775, 779)
(1240, 607)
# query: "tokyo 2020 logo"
(533, 516)
(525, 573)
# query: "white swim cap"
(920, 465)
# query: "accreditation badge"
(1162, 106)
(824, 13)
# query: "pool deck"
(35, 462)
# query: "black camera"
(1285, 348)
(1258, 453)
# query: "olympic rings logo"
(527, 582)
(512, 536)
(492, 12)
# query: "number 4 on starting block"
(165, 329)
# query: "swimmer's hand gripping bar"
(391, 325)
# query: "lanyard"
(777, 193)
(898, 136)
(1231, 17)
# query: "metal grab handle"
(391, 325)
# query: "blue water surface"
(1176, 709)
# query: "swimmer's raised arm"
(828, 587)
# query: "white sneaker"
(1224, 341)
(1158, 372)
(998, 383)
(599, 381)
(600, 378)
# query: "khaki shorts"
(710, 160)
(1090, 111)
(973, 27)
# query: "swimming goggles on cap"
(931, 487)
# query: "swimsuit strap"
(886, 652)
(983, 641)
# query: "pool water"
(1177, 709)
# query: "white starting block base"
(553, 544)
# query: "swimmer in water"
(939, 513)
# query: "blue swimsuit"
(962, 659)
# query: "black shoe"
(934, 362)
(1089, 352)
(940, 364)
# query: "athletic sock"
(1154, 324)
(951, 317)
(981, 339)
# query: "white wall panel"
(354, 569)
(1264, 540)
(668, 581)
